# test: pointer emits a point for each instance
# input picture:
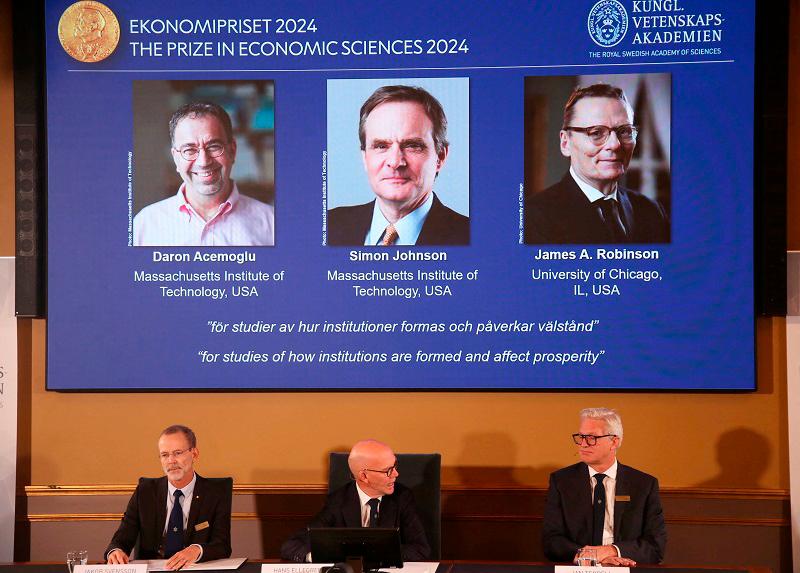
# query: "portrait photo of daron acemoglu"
(216, 147)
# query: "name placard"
(128, 568)
(293, 567)
(595, 569)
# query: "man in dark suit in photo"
(602, 504)
(403, 133)
(588, 205)
(181, 517)
(372, 499)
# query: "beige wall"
(283, 437)
(713, 440)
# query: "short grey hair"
(610, 417)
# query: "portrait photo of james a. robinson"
(597, 159)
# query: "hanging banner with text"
(8, 409)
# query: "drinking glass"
(77, 558)
(587, 558)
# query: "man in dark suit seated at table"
(372, 499)
(181, 517)
(601, 504)
(403, 133)
(588, 205)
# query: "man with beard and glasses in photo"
(208, 209)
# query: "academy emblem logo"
(608, 23)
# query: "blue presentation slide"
(493, 196)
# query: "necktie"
(610, 212)
(598, 510)
(389, 235)
(373, 512)
(174, 541)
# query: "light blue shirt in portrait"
(408, 228)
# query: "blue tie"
(174, 542)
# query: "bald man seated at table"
(372, 499)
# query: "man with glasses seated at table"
(208, 209)
(601, 504)
(372, 499)
(182, 517)
(588, 205)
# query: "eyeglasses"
(192, 153)
(599, 133)
(387, 471)
(590, 439)
(173, 453)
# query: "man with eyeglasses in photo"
(372, 499)
(208, 209)
(601, 504)
(181, 517)
(588, 205)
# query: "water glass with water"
(587, 557)
(77, 558)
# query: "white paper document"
(595, 569)
(418, 567)
(293, 567)
(409, 567)
(216, 564)
(139, 567)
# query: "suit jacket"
(561, 214)
(146, 516)
(343, 509)
(639, 529)
(442, 226)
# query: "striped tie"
(389, 236)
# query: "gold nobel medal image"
(88, 31)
